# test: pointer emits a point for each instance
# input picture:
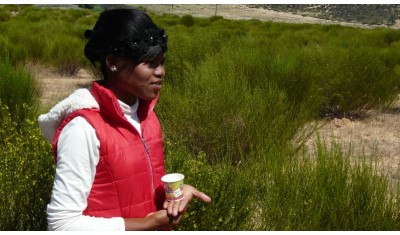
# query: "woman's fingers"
(178, 207)
(173, 208)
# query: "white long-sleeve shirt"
(77, 158)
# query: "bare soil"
(54, 87)
(378, 134)
(377, 137)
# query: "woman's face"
(143, 80)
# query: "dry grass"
(378, 135)
(54, 87)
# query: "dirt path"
(55, 87)
(377, 136)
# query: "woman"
(107, 140)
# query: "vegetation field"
(235, 109)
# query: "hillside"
(355, 15)
(371, 14)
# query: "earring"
(113, 68)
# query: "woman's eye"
(148, 63)
(154, 64)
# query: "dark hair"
(124, 32)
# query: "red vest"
(128, 176)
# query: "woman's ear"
(111, 62)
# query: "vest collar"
(110, 107)
(79, 99)
(98, 97)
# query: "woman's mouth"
(156, 85)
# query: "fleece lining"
(79, 99)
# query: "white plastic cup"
(173, 184)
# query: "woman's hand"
(157, 220)
(170, 216)
(163, 220)
(178, 208)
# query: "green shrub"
(18, 88)
(187, 20)
(5, 47)
(229, 187)
(64, 55)
(331, 190)
(335, 191)
(166, 20)
(63, 31)
(364, 82)
(215, 18)
(4, 16)
(10, 7)
(218, 104)
(26, 173)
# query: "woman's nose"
(159, 71)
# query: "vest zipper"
(149, 162)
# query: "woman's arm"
(158, 220)
(77, 158)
